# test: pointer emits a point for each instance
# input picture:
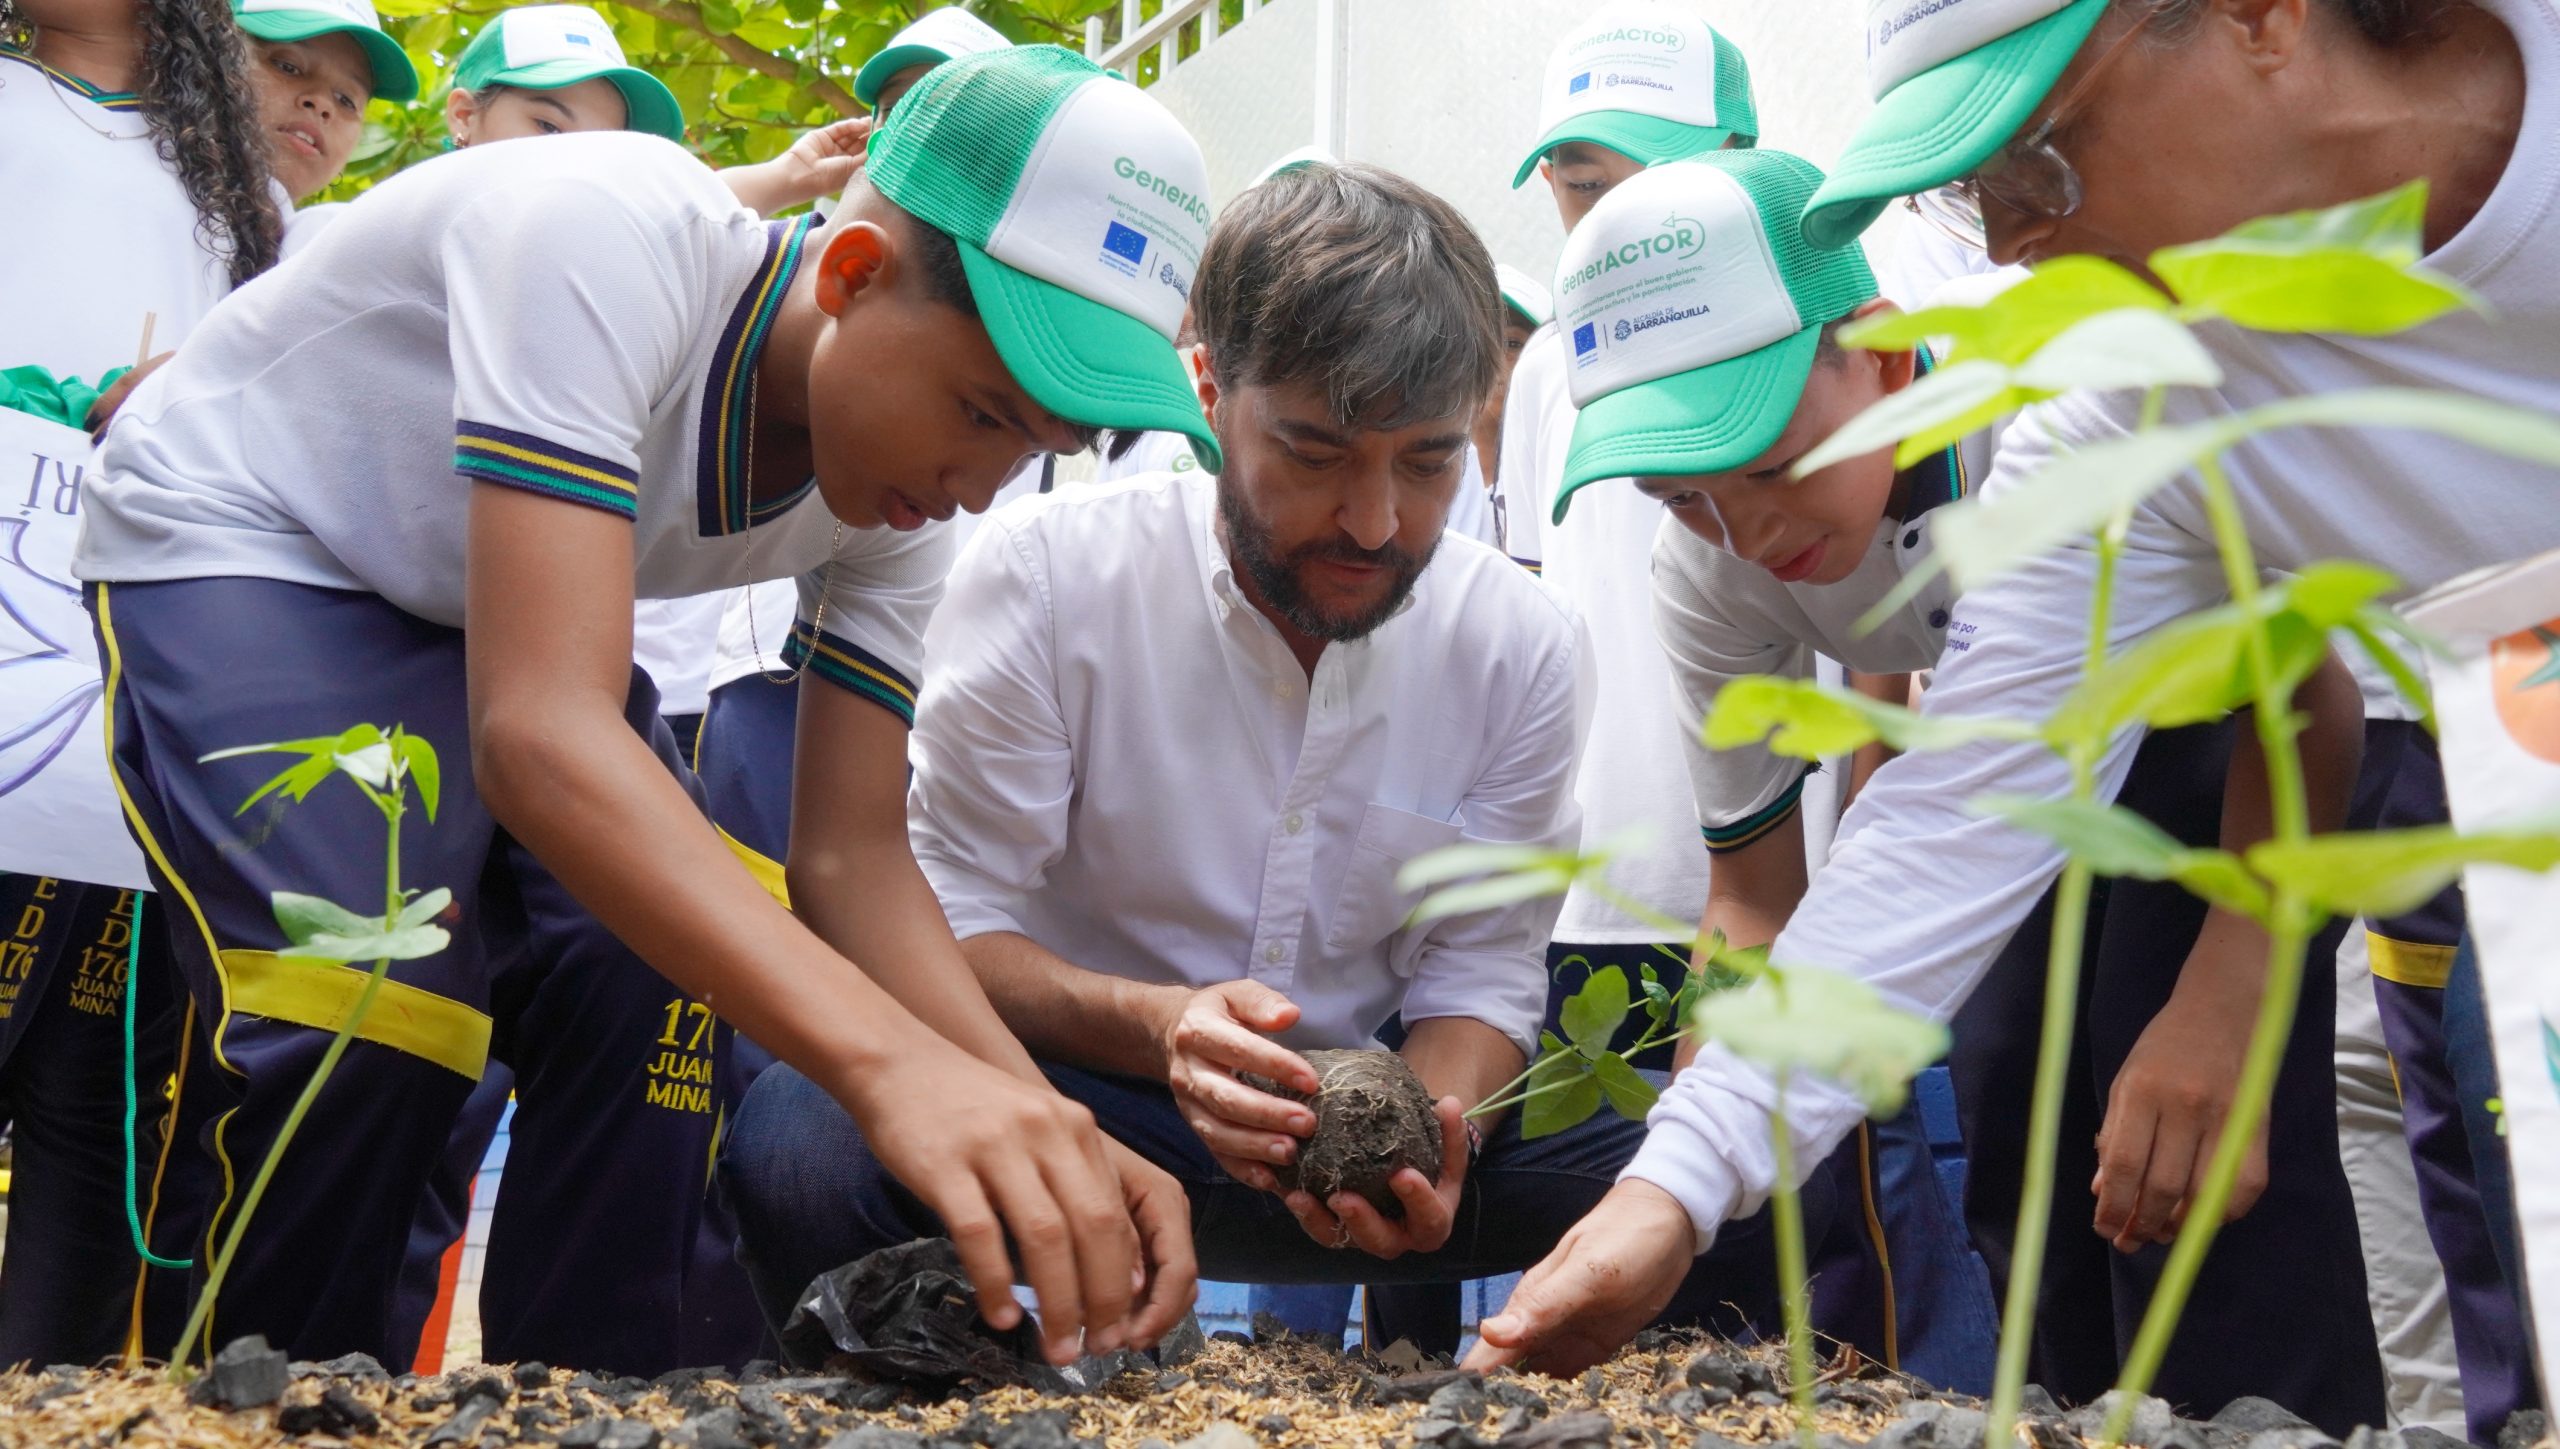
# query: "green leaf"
(2384, 872)
(1592, 1015)
(2011, 326)
(1956, 394)
(425, 908)
(1551, 1112)
(1631, 1094)
(304, 918)
(2126, 348)
(2115, 841)
(2373, 629)
(1804, 720)
(418, 758)
(2349, 269)
(1802, 1018)
(1485, 895)
(1454, 862)
(2069, 498)
(375, 945)
(364, 753)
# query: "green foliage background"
(751, 74)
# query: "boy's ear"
(858, 257)
(1203, 380)
(1894, 370)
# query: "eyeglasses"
(2028, 175)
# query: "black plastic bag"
(908, 1314)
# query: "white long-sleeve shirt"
(1921, 893)
(1122, 760)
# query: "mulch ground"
(1671, 1392)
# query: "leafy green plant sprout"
(384, 766)
(1785, 1020)
(2082, 324)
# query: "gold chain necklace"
(57, 87)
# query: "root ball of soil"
(1372, 1117)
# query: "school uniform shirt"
(1122, 760)
(580, 319)
(101, 231)
(1722, 618)
(751, 630)
(676, 640)
(1634, 783)
(1921, 892)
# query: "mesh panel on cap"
(1736, 110)
(956, 147)
(1828, 283)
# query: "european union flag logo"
(585, 40)
(1578, 84)
(1586, 338)
(1125, 241)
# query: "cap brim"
(1649, 139)
(394, 78)
(1086, 362)
(1945, 121)
(1710, 419)
(876, 71)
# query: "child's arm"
(549, 664)
(821, 163)
(2166, 1107)
(1751, 890)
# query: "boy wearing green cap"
(589, 375)
(1704, 368)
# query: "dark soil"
(1372, 1117)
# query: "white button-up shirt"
(1120, 758)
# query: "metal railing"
(1161, 33)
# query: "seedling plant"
(2087, 325)
(384, 765)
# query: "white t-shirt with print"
(1634, 782)
(581, 319)
(2422, 506)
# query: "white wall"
(1445, 91)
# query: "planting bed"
(1669, 1392)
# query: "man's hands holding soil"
(1218, 1032)
(1430, 1209)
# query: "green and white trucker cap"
(1647, 80)
(1081, 208)
(1525, 295)
(394, 79)
(545, 47)
(1953, 80)
(937, 36)
(1692, 308)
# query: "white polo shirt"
(1921, 893)
(101, 231)
(581, 319)
(1121, 759)
(1634, 779)
(1721, 618)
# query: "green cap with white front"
(1647, 80)
(1953, 80)
(940, 35)
(545, 47)
(1692, 307)
(1081, 207)
(394, 78)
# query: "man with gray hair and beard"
(1183, 733)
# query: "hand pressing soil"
(1372, 1117)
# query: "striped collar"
(729, 395)
(120, 101)
(1938, 479)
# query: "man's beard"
(1275, 575)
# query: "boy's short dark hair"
(1359, 281)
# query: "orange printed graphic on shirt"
(2524, 677)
